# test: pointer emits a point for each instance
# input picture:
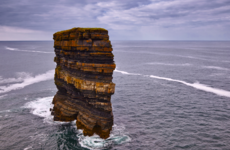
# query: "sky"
(124, 19)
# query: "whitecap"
(198, 86)
(10, 48)
(28, 147)
(28, 80)
(195, 85)
(168, 64)
(216, 67)
(118, 136)
(124, 72)
(39, 136)
(41, 107)
(3, 111)
(16, 49)
(20, 76)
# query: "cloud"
(128, 17)
(174, 13)
(17, 33)
(16, 30)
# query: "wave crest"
(196, 85)
(25, 81)
(167, 64)
(16, 49)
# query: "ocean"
(169, 95)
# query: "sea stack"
(83, 77)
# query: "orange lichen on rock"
(83, 77)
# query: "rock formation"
(83, 77)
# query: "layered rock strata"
(83, 77)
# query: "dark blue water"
(169, 95)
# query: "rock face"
(83, 77)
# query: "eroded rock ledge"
(83, 77)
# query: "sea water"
(168, 95)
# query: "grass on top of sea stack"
(78, 29)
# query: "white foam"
(28, 147)
(207, 88)
(28, 81)
(5, 111)
(118, 136)
(196, 85)
(124, 72)
(167, 64)
(20, 77)
(39, 136)
(10, 48)
(16, 49)
(41, 107)
(216, 67)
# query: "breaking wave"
(167, 64)
(16, 49)
(25, 81)
(124, 72)
(41, 107)
(20, 77)
(118, 136)
(196, 85)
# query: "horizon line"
(116, 40)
